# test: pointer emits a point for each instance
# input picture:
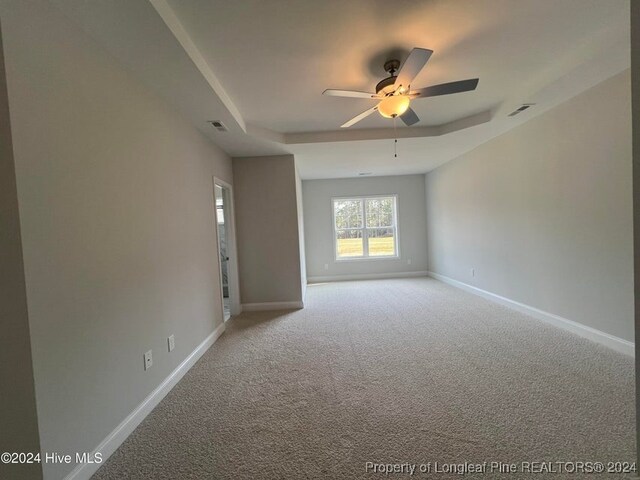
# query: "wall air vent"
(364, 174)
(218, 125)
(520, 109)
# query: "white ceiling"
(261, 67)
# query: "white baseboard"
(366, 276)
(603, 338)
(111, 443)
(256, 307)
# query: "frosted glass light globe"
(393, 106)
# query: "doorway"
(226, 248)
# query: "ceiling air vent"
(520, 109)
(218, 125)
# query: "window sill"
(366, 259)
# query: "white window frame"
(365, 238)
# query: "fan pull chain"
(395, 141)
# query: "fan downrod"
(384, 86)
(391, 67)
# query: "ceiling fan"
(394, 93)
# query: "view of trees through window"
(365, 227)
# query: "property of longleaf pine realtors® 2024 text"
(542, 467)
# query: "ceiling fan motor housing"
(386, 85)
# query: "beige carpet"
(386, 371)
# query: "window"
(365, 227)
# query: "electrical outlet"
(148, 360)
(171, 341)
(409, 261)
(326, 266)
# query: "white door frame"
(232, 250)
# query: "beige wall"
(18, 417)
(412, 230)
(543, 213)
(116, 206)
(267, 229)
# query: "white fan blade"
(411, 67)
(446, 88)
(355, 120)
(349, 93)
